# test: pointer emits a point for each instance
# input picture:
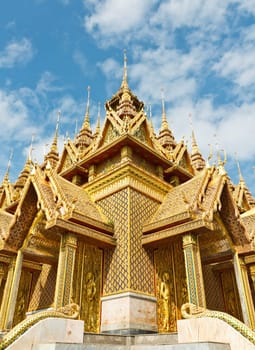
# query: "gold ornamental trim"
(127, 175)
(87, 233)
(167, 222)
(159, 236)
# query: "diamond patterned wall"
(115, 207)
(129, 266)
(43, 288)
(141, 259)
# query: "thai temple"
(129, 225)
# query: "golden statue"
(164, 295)
(90, 299)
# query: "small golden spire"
(54, 144)
(164, 124)
(31, 149)
(194, 145)
(6, 176)
(124, 83)
(53, 156)
(241, 179)
(98, 119)
(209, 156)
(86, 124)
(150, 119)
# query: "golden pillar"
(2, 273)
(195, 283)
(11, 292)
(242, 281)
(66, 260)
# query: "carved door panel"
(87, 285)
(23, 296)
(171, 287)
(230, 293)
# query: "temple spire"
(86, 123)
(124, 83)
(164, 123)
(165, 137)
(6, 176)
(97, 131)
(30, 151)
(241, 179)
(197, 160)
(150, 121)
(85, 137)
(53, 156)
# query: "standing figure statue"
(165, 300)
(90, 298)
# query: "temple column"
(195, 283)
(66, 260)
(242, 281)
(11, 292)
(2, 271)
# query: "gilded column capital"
(69, 239)
(189, 239)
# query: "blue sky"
(200, 52)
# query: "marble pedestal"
(129, 313)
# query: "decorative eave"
(161, 237)
(116, 145)
(74, 170)
(88, 234)
(167, 223)
(179, 171)
(80, 218)
(125, 175)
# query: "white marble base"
(128, 313)
(208, 329)
(50, 330)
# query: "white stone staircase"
(66, 334)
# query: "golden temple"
(129, 225)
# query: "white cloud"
(16, 52)
(80, 59)
(117, 18)
(195, 13)
(46, 83)
(238, 65)
(14, 117)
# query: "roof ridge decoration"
(37, 178)
(197, 159)
(242, 190)
(8, 190)
(62, 203)
(53, 154)
(165, 137)
(85, 137)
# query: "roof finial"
(150, 118)
(55, 140)
(164, 124)
(193, 138)
(241, 179)
(124, 79)
(86, 123)
(98, 119)
(6, 177)
(31, 149)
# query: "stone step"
(91, 338)
(190, 346)
(156, 339)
